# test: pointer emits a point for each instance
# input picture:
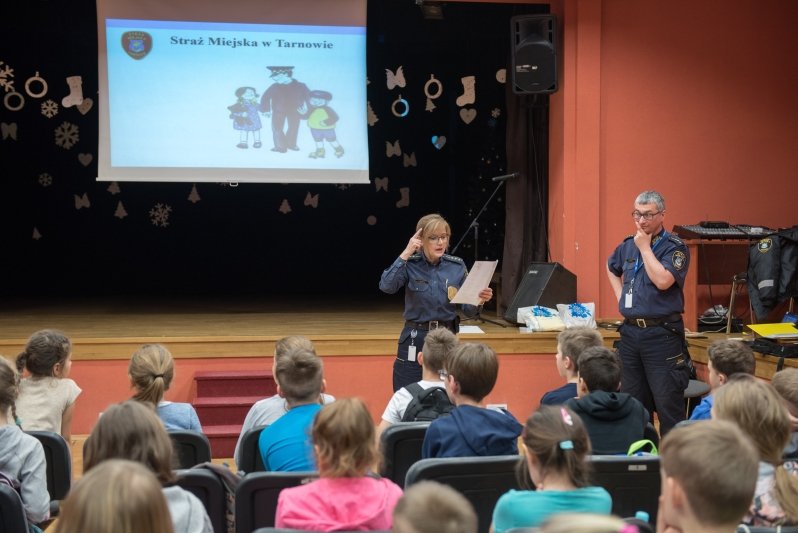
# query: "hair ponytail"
(151, 371)
(786, 487)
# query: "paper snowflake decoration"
(45, 179)
(6, 73)
(496, 113)
(342, 186)
(159, 215)
(66, 135)
(49, 108)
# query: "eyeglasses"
(438, 238)
(443, 374)
(637, 215)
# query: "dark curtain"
(526, 231)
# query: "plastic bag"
(539, 318)
(578, 315)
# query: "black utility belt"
(451, 325)
(643, 322)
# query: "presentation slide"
(233, 102)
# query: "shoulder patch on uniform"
(453, 259)
(764, 245)
(414, 257)
(678, 259)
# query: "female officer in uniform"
(431, 278)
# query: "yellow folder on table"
(776, 330)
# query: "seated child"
(586, 523)
(22, 461)
(708, 475)
(131, 430)
(285, 445)
(47, 397)
(726, 358)
(570, 344)
(266, 411)
(347, 497)
(430, 507)
(151, 370)
(471, 429)
(117, 495)
(786, 384)
(556, 448)
(757, 409)
(437, 345)
(614, 420)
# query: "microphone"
(505, 177)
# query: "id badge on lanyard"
(627, 300)
(411, 350)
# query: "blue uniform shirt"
(647, 300)
(426, 285)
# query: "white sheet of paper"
(478, 278)
(471, 329)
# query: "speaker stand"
(475, 225)
(478, 316)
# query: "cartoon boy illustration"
(282, 102)
(245, 116)
(322, 120)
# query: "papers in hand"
(478, 279)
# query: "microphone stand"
(474, 224)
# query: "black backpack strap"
(415, 391)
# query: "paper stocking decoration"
(75, 96)
(469, 92)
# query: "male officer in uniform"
(647, 272)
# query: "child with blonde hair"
(348, 497)
(47, 396)
(22, 461)
(118, 495)
(151, 372)
(708, 471)
(785, 382)
(556, 447)
(757, 409)
(430, 507)
(267, 410)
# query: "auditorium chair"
(251, 461)
(400, 445)
(58, 457)
(12, 512)
(206, 485)
(482, 480)
(632, 481)
(192, 448)
(256, 497)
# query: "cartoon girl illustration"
(245, 116)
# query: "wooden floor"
(210, 327)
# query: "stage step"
(235, 383)
(222, 401)
(224, 410)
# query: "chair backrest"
(400, 445)
(251, 461)
(633, 482)
(12, 512)
(256, 497)
(742, 528)
(207, 486)
(58, 455)
(192, 448)
(482, 480)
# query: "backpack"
(426, 404)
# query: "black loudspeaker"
(546, 284)
(534, 53)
